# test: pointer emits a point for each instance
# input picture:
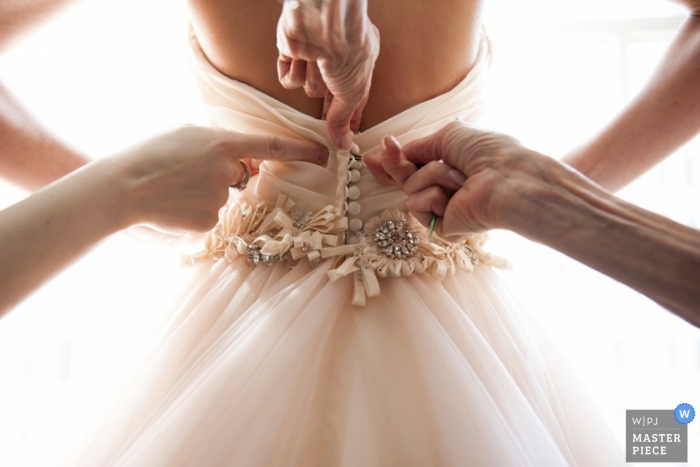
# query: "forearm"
(46, 232)
(17, 17)
(31, 156)
(652, 254)
(663, 117)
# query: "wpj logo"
(658, 435)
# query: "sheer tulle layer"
(266, 366)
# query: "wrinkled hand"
(330, 51)
(180, 180)
(473, 180)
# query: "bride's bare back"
(426, 49)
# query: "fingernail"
(346, 142)
(456, 176)
(395, 142)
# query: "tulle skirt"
(273, 366)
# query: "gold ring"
(240, 186)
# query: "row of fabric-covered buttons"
(352, 191)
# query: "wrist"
(536, 194)
(117, 193)
(562, 204)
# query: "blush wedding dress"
(325, 328)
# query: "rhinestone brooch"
(396, 239)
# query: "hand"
(473, 180)
(181, 179)
(330, 50)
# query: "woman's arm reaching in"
(489, 181)
(177, 181)
(664, 116)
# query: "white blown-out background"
(107, 74)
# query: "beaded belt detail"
(392, 244)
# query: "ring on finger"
(240, 186)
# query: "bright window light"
(106, 74)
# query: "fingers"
(424, 203)
(314, 86)
(392, 166)
(434, 174)
(327, 101)
(458, 221)
(463, 147)
(343, 116)
(393, 162)
(373, 162)
(300, 43)
(424, 150)
(275, 148)
(338, 117)
(330, 49)
(357, 115)
(451, 223)
(291, 73)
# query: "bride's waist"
(392, 243)
(345, 185)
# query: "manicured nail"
(346, 142)
(456, 176)
(395, 142)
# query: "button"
(354, 208)
(353, 192)
(355, 164)
(354, 176)
(355, 224)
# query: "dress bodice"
(336, 210)
(233, 105)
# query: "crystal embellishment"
(473, 257)
(300, 217)
(254, 256)
(396, 239)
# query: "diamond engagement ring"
(240, 186)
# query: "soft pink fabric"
(274, 366)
